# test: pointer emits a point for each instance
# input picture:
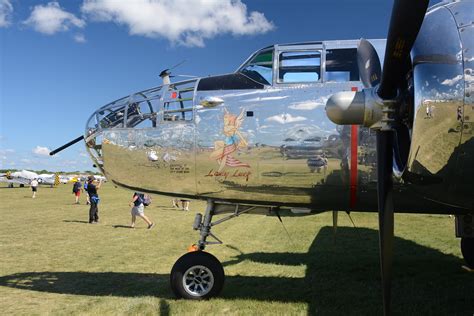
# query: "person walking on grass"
(92, 189)
(34, 187)
(76, 190)
(184, 204)
(138, 209)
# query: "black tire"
(197, 275)
(467, 249)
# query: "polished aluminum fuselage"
(276, 146)
(441, 160)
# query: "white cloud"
(285, 118)
(6, 10)
(80, 38)
(308, 105)
(41, 151)
(68, 162)
(51, 18)
(453, 81)
(7, 151)
(186, 22)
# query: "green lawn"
(53, 262)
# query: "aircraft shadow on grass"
(342, 276)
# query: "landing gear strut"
(467, 249)
(199, 275)
(465, 230)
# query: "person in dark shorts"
(92, 188)
(34, 187)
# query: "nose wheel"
(197, 275)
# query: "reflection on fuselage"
(271, 145)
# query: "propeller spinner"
(378, 107)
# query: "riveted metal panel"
(462, 12)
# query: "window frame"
(248, 60)
(297, 48)
(325, 61)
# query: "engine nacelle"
(441, 155)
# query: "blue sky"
(61, 60)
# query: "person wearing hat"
(92, 189)
(76, 190)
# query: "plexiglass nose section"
(146, 140)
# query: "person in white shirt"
(34, 187)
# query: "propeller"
(405, 23)
(165, 74)
(72, 142)
(369, 64)
(377, 107)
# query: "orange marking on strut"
(193, 248)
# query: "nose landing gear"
(199, 275)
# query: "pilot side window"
(260, 67)
(341, 65)
(299, 66)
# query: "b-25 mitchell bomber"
(312, 127)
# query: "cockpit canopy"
(259, 67)
(304, 63)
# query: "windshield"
(260, 67)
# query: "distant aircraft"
(24, 177)
(309, 127)
(100, 178)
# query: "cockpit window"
(260, 67)
(299, 66)
(341, 65)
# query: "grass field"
(53, 262)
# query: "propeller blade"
(178, 64)
(369, 64)
(72, 142)
(386, 218)
(405, 23)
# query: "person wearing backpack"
(138, 209)
(76, 190)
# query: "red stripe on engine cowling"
(353, 171)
